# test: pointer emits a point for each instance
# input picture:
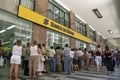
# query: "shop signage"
(46, 21)
(41, 20)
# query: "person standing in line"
(40, 67)
(62, 59)
(33, 59)
(90, 58)
(103, 58)
(75, 60)
(108, 59)
(15, 60)
(80, 58)
(67, 60)
(86, 60)
(52, 59)
(46, 58)
(72, 56)
(58, 58)
(26, 59)
(98, 58)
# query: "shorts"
(98, 60)
(15, 59)
(33, 61)
(75, 62)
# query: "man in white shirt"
(52, 59)
(80, 58)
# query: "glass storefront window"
(80, 27)
(92, 47)
(58, 13)
(13, 28)
(92, 35)
(80, 44)
(15, 1)
(56, 39)
(27, 3)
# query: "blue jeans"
(67, 65)
(53, 64)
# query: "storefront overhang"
(46, 22)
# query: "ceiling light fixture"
(97, 13)
(2, 31)
(11, 27)
(110, 31)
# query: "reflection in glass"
(54, 39)
(80, 44)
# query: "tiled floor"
(78, 75)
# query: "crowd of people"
(38, 60)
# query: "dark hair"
(79, 48)
(89, 51)
(18, 42)
(39, 46)
(66, 45)
(75, 49)
(51, 47)
(58, 47)
(28, 44)
(34, 42)
(72, 49)
(106, 48)
(98, 46)
(43, 45)
(85, 49)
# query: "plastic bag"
(1, 61)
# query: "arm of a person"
(22, 51)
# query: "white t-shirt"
(33, 51)
(52, 53)
(79, 53)
(72, 54)
(17, 50)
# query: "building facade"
(46, 21)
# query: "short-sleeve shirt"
(66, 52)
(17, 50)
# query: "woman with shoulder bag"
(40, 60)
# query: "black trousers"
(109, 65)
(26, 69)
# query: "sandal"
(29, 77)
(40, 74)
(9, 79)
(17, 79)
(34, 77)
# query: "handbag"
(1, 61)
(42, 59)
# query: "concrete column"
(87, 30)
(72, 26)
(41, 7)
(87, 35)
(88, 47)
(95, 36)
(40, 32)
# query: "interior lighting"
(11, 27)
(97, 13)
(2, 31)
(110, 31)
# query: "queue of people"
(37, 59)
